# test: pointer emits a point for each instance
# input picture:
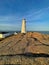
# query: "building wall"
(1, 36)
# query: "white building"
(1, 36)
(23, 28)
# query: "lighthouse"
(23, 28)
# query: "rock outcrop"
(31, 48)
(31, 42)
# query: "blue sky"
(36, 13)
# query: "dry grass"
(23, 60)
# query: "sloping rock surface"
(31, 42)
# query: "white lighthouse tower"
(23, 29)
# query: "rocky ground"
(31, 48)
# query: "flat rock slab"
(31, 42)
